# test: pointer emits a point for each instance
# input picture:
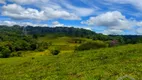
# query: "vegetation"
(92, 45)
(102, 64)
(16, 38)
(29, 54)
(55, 52)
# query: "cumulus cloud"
(114, 22)
(11, 23)
(57, 24)
(58, 4)
(18, 12)
(54, 13)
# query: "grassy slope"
(102, 64)
(62, 43)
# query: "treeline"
(79, 32)
(61, 31)
(128, 39)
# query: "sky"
(102, 16)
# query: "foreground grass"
(102, 64)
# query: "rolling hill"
(102, 64)
(27, 55)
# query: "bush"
(43, 46)
(5, 52)
(92, 45)
(1, 55)
(55, 52)
(113, 43)
(17, 54)
(40, 49)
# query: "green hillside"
(102, 64)
(62, 53)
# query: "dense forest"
(17, 38)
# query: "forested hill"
(68, 31)
(8, 32)
(71, 31)
(12, 32)
(17, 38)
(42, 31)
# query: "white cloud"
(2, 2)
(58, 4)
(54, 13)
(112, 20)
(18, 12)
(8, 23)
(11, 23)
(24, 2)
(32, 24)
(57, 24)
(135, 3)
(139, 23)
(87, 28)
(91, 3)
(113, 31)
(139, 31)
(81, 11)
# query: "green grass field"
(102, 64)
(64, 44)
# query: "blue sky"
(102, 16)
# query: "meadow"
(64, 53)
(101, 64)
(70, 39)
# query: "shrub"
(40, 49)
(92, 45)
(17, 54)
(43, 45)
(113, 43)
(76, 40)
(55, 52)
(5, 52)
(1, 55)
